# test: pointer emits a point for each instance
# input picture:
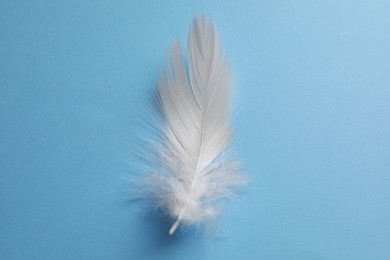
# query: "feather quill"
(195, 167)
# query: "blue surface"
(311, 112)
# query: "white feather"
(194, 168)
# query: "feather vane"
(195, 167)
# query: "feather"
(195, 168)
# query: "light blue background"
(311, 112)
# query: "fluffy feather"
(194, 166)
